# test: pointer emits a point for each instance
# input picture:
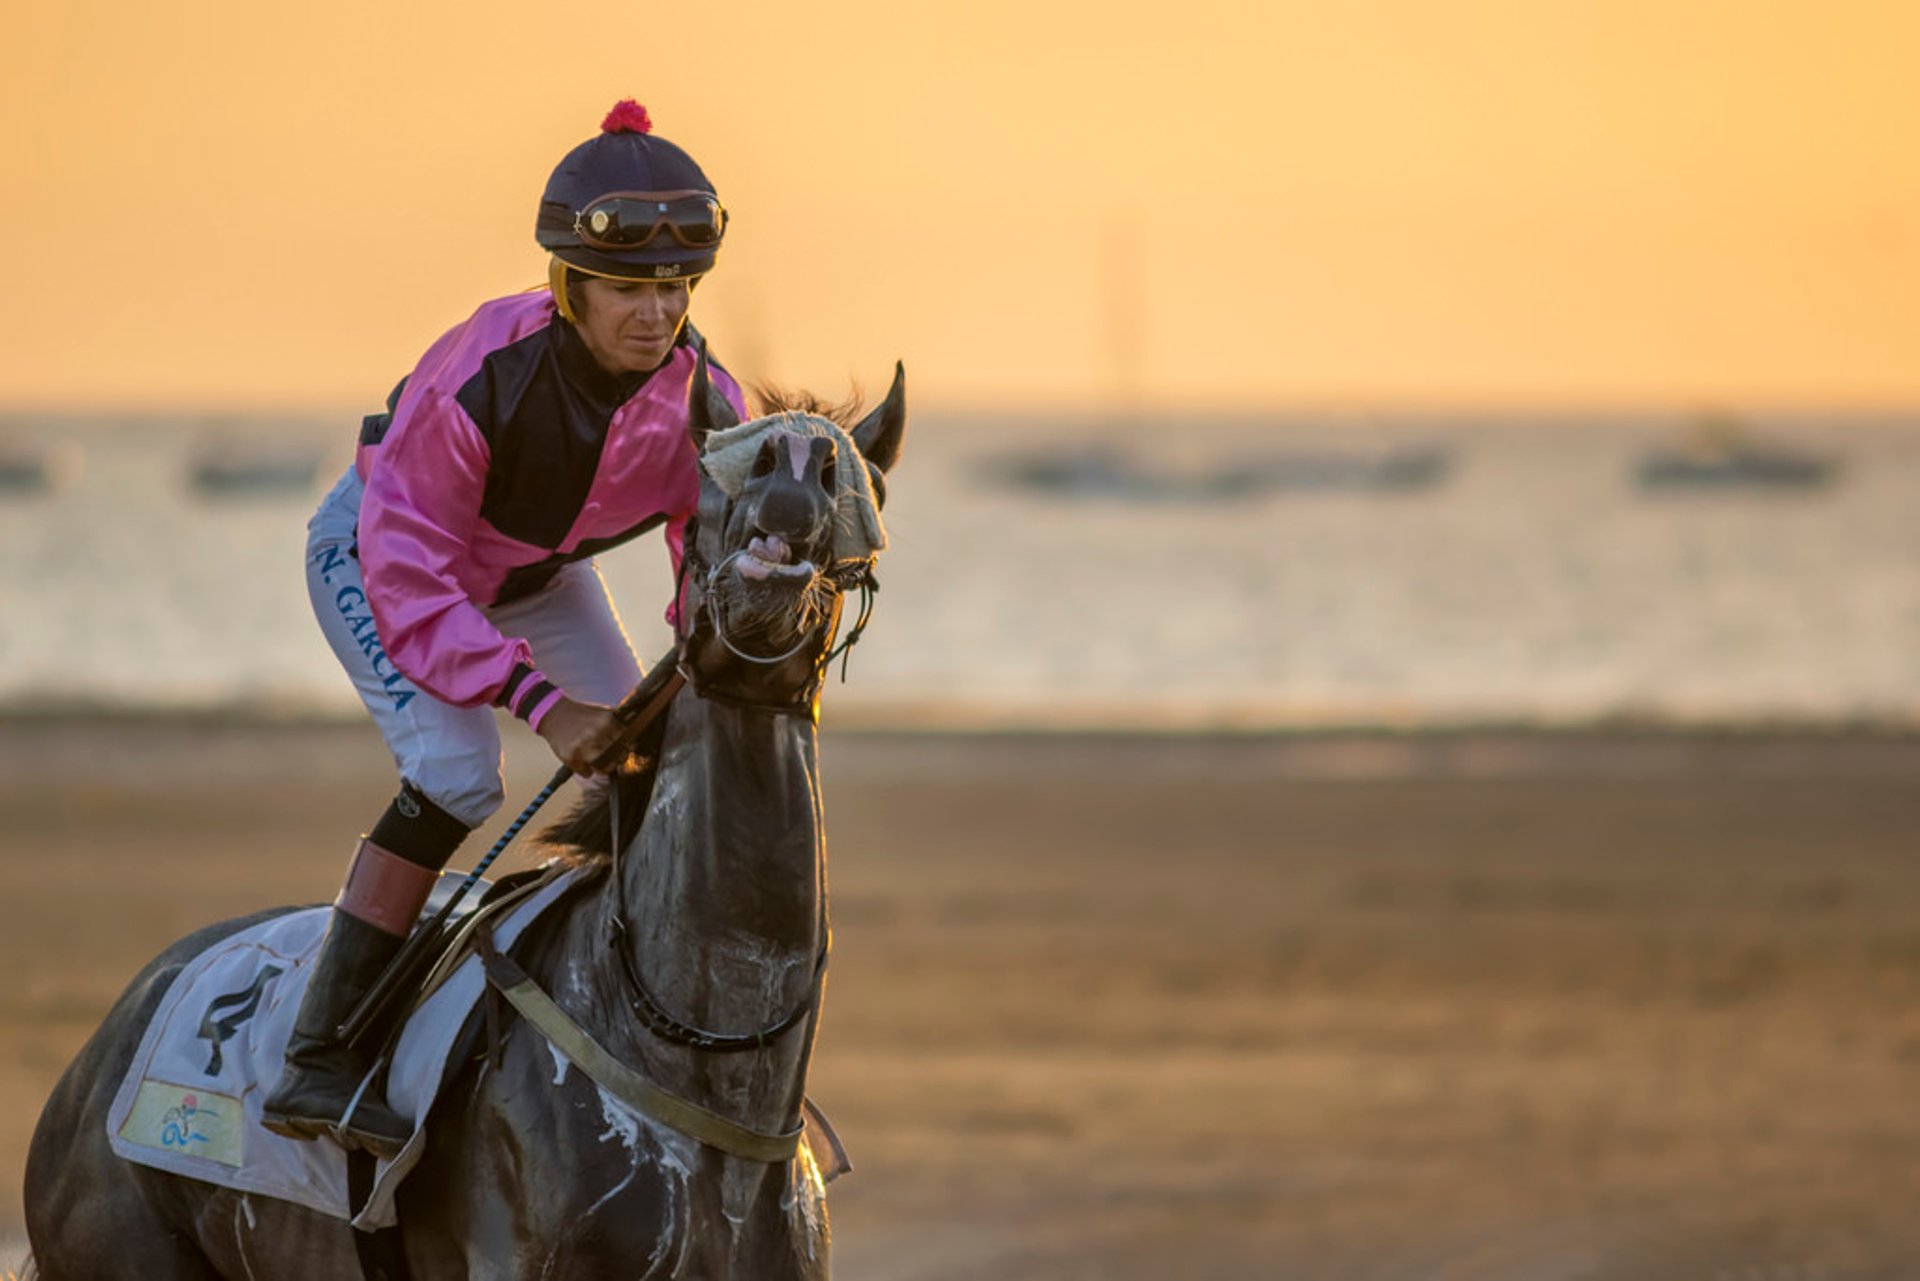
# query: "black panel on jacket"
(373, 428)
(543, 404)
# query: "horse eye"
(830, 476)
(768, 459)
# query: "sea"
(1139, 571)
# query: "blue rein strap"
(649, 699)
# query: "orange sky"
(244, 203)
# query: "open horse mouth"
(772, 601)
(768, 559)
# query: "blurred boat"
(1721, 456)
(1392, 471)
(1106, 471)
(234, 471)
(22, 473)
(29, 472)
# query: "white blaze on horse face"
(798, 448)
(560, 1063)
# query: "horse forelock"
(778, 400)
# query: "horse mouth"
(768, 559)
(772, 600)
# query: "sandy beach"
(1474, 1006)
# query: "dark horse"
(696, 960)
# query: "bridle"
(697, 595)
(845, 575)
(702, 612)
(702, 565)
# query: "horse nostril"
(792, 513)
(796, 495)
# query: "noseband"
(703, 566)
(845, 575)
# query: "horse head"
(788, 522)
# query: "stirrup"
(353, 1137)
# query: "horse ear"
(707, 409)
(879, 434)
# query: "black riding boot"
(389, 879)
(322, 1072)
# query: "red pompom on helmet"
(627, 116)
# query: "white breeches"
(452, 754)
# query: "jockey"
(451, 568)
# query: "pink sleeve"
(421, 506)
(731, 390)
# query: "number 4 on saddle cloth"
(190, 1103)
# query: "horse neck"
(724, 887)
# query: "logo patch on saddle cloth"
(192, 1119)
(196, 1122)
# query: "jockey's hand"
(579, 733)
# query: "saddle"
(190, 1101)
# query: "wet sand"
(1491, 1006)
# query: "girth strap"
(621, 1081)
(382, 1253)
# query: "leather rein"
(703, 547)
(539, 1009)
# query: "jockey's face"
(630, 325)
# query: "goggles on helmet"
(634, 219)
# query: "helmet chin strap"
(557, 285)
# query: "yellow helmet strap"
(557, 282)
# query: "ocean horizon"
(1231, 572)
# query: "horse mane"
(584, 835)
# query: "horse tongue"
(772, 548)
(767, 557)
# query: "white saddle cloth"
(190, 1104)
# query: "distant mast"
(1122, 304)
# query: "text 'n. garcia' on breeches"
(452, 754)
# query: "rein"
(649, 1010)
(869, 586)
(701, 566)
(646, 703)
(633, 1087)
(623, 1082)
(705, 561)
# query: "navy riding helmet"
(629, 206)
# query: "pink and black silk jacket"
(509, 454)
